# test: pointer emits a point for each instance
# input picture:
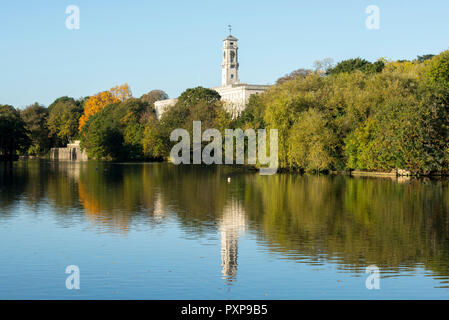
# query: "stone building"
(234, 93)
(71, 152)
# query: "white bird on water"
(229, 179)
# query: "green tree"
(155, 143)
(193, 104)
(253, 115)
(115, 132)
(311, 143)
(13, 134)
(351, 65)
(63, 120)
(193, 96)
(35, 117)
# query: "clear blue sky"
(173, 45)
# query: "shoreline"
(356, 173)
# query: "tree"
(425, 57)
(155, 143)
(150, 98)
(311, 143)
(192, 97)
(300, 73)
(153, 96)
(97, 102)
(252, 115)
(63, 120)
(351, 65)
(115, 132)
(35, 117)
(439, 71)
(322, 66)
(13, 134)
(193, 104)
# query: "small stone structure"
(71, 152)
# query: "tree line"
(357, 114)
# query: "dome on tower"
(231, 37)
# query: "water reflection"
(354, 222)
(231, 225)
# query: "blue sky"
(173, 45)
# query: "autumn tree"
(150, 98)
(300, 73)
(97, 102)
(153, 96)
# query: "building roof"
(231, 37)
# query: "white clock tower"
(230, 65)
(234, 94)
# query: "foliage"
(153, 96)
(300, 73)
(379, 116)
(97, 102)
(352, 65)
(35, 117)
(115, 132)
(155, 144)
(311, 142)
(63, 120)
(393, 115)
(13, 134)
(193, 96)
(253, 115)
(150, 98)
(195, 104)
(425, 57)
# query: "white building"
(234, 93)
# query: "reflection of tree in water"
(114, 196)
(95, 210)
(232, 223)
(352, 221)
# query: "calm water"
(158, 231)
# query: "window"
(232, 56)
(232, 76)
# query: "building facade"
(71, 152)
(233, 93)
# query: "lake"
(160, 231)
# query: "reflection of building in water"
(159, 211)
(231, 225)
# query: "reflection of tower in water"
(231, 225)
(159, 210)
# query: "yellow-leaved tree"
(97, 102)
